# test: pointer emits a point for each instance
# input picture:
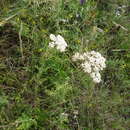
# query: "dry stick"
(122, 27)
(119, 50)
(2, 23)
(21, 42)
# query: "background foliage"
(41, 88)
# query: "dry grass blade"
(21, 42)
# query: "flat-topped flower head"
(92, 63)
(58, 42)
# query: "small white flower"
(96, 80)
(61, 39)
(61, 48)
(53, 37)
(81, 57)
(58, 41)
(96, 77)
(93, 53)
(98, 55)
(93, 75)
(96, 69)
(76, 56)
(86, 67)
(92, 60)
(51, 44)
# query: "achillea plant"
(58, 41)
(92, 63)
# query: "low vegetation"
(42, 88)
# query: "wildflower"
(86, 67)
(53, 37)
(77, 56)
(92, 63)
(51, 44)
(96, 77)
(58, 41)
(82, 2)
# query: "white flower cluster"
(58, 41)
(92, 63)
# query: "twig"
(21, 42)
(2, 23)
(120, 50)
(118, 25)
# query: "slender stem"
(21, 42)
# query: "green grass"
(43, 89)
